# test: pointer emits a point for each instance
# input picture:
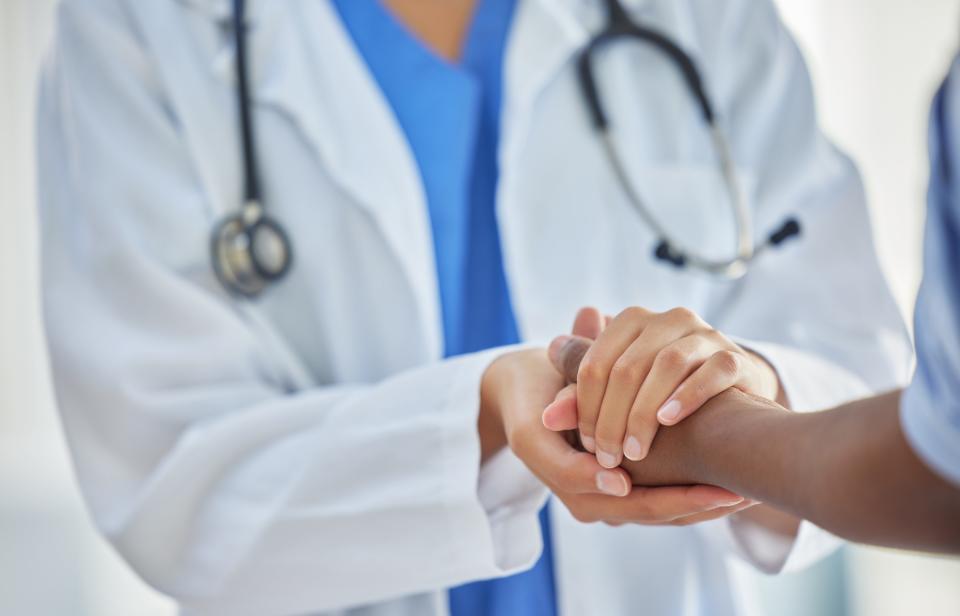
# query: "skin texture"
(441, 25)
(515, 389)
(645, 369)
(849, 470)
(671, 356)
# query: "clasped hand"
(602, 394)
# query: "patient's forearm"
(848, 470)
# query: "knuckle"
(625, 370)
(632, 313)
(681, 314)
(715, 337)
(672, 357)
(592, 370)
(728, 363)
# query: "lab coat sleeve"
(216, 482)
(837, 333)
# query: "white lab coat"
(312, 452)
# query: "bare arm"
(849, 469)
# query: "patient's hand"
(645, 369)
(679, 455)
(514, 391)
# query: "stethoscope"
(250, 250)
(619, 25)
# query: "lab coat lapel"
(546, 36)
(306, 67)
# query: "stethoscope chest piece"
(249, 251)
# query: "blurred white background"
(876, 64)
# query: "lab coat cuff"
(501, 525)
(810, 383)
(771, 552)
(768, 551)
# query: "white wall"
(875, 64)
(51, 561)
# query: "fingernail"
(728, 502)
(607, 459)
(632, 449)
(612, 483)
(669, 411)
(588, 443)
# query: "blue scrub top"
(930, 408)
(450, 114)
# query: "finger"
(719, 373)
(596, 365)
(561, 414)
(589, 323)
(632, 373)
(566, 353)
(673, 363)
(564, 469)
(660, 505)
(706, 516)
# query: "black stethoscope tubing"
(249, 249)
(241, 240)
(619, 25)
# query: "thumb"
(589, 323)
(566, 353)
(561, 414)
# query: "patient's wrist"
(708, 447)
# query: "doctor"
(318, 448)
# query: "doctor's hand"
(515, 390)
(645, 369)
